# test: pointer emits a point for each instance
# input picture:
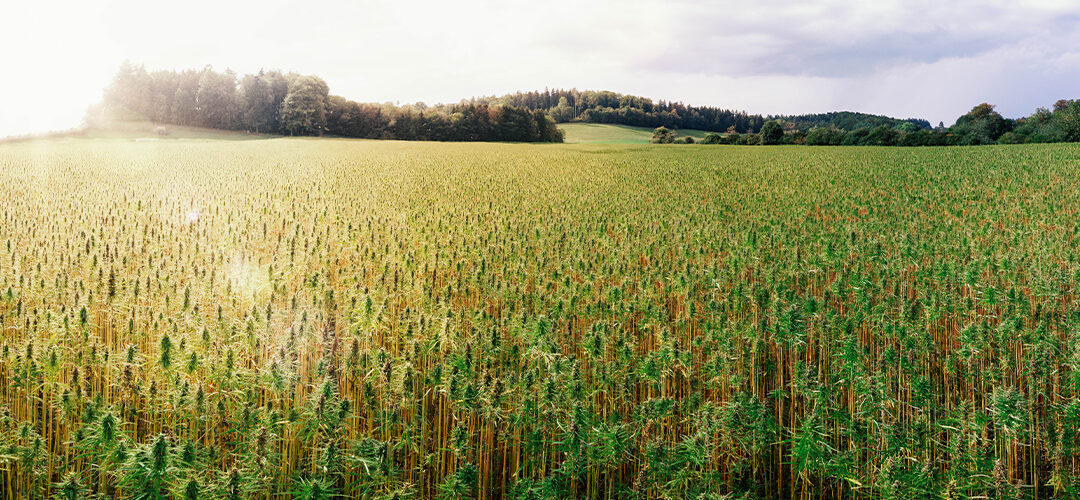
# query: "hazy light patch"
(247, 279)
(192, 216)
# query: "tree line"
(293, 104)
(593, 106)
(610, 107)
(850, 120)
(982, 125)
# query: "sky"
(921, 59)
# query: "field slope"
(142, 131)
(371, 319)
(607, 133)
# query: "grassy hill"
(577, 133)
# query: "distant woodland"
(982, 125)
(293, 104)
(610, 107)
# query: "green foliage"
(292, 104)
(71, 488)
(149, 472)
(713, 138)
(312, 489)
(981, 125)
(1009, 409)
(848, 120)
(303, 112)
(771, 133)
(590, 106)
(825, 136)
(663, 135)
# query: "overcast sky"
(931, 59)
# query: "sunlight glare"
(248, 279)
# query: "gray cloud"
(846, 39)
(806, 56)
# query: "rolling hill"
(578, 133)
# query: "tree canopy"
(981, 125)
(849, 120)
(303, 112)
(293, 104)
(771, 133)
(663, 135)
(593, 106)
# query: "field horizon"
(576, 133)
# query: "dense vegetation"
(609, 107)
(780, 132)
(292, 104)
(848, 120)
(981, 125)
(292, 318)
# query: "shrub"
(713, 138)
(663, 135)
